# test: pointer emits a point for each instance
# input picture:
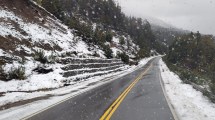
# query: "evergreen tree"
(108, 15)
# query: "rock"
(42, 70)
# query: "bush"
(108, 51)
(3, 76)
(121, 41)
(39, 55)
(212, 88)
(124, 58)
(109, 37)
(17, 73)
(142, 53)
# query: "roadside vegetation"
(124, 58)
(192, 57)
(39, 55)
(16, 73)
(2, 73)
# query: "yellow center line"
(109, 112)
(115, 102)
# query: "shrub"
(212, 87)
(17, 73)
(142, 53)
(3, 76)
(39, 55)
(124, 58)
(118, 55)
(108, 51)
(109, 37)
(121, 41)
(2, 62)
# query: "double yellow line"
(109, 112)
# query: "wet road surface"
(145, 101)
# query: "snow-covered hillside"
(25, 30)
(29, 32)
(31, 28)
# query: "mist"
(194, 15)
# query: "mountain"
(157, 22)
(167, 35)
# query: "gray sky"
(194, 15)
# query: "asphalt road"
(144, 101)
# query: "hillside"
(164, 33)
(40, 52)
(167, 35)
(108, 16)
(27, 30)
(192, 57)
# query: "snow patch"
(35, 32)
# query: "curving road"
(136, 96)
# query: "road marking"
(72, 96)
(66, 99)
(109, 112)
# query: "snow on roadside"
(70, 91)
(34, 81)
(41, 82)
(189, 103)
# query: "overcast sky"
(194, 15)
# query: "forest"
(81, 15)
